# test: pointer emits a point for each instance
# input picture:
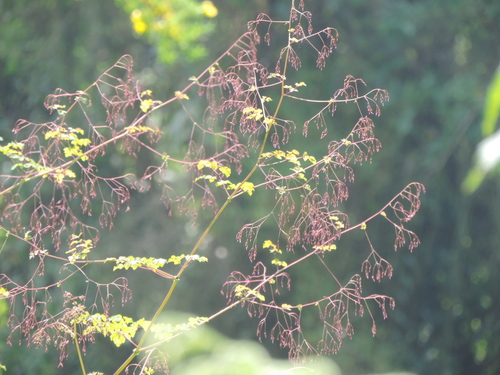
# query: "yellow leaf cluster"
(242, 291)
(59, 174)
(79, 248)
(141, 129)
(279, 263)
(71, 135)
(208, 163)
(325, 247)
(146, 105)
(271, 246)
(247, 187)
(119, 328)
(339, 224)
(253, 113)
(180, 95)
(132, 262)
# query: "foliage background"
(435, 58)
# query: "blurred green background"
(436, 59)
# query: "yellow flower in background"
(140, 26)
(173, 26)
(209, 9)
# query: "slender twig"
(78, 349)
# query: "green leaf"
(474, 178)
(492, 105)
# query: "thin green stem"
(78, 350)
